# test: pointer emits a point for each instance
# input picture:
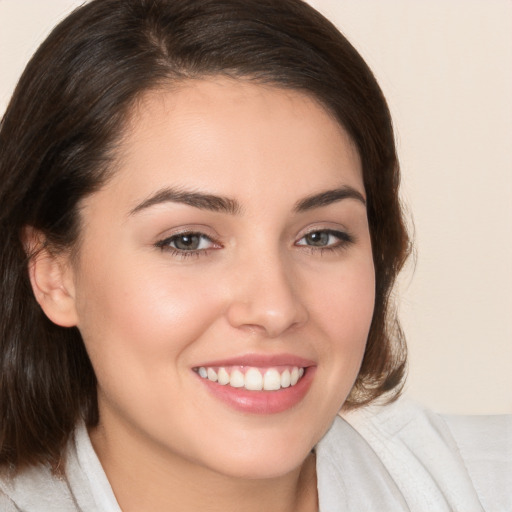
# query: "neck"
(161, 481)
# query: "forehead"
(224, 133)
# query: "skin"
(149, 315)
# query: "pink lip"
(261, 402)
(261, 361)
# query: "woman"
(201, 231)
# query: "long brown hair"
(59, 135)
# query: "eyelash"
(344, 240)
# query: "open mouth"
(258, 384)
(253, 378)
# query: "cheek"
(141, 314)
(344, 309)
(346, 302)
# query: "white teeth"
(294, 376)
(237, 379)
(272, 380)
(286, 379)
(223, 376)
(253, 380)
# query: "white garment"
(391, 458)
(403, 457)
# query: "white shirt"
(393, 458)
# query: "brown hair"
(59, 135)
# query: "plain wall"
(446, 69)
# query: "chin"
(261, 468)
(261, 457)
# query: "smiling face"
(228, 253)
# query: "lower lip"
(262, 402)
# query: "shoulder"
(83, 487)
(485, 445)
(35, 488)
(465, 462)
(38, 488)
(6, 504)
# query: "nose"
(265, 296)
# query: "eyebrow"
(222, 204)
(328, 197)
(199, 200)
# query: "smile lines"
(254, 379)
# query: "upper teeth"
(251, 378)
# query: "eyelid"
(200, 229)
(321, 227)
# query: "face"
(224, 286)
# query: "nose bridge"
(264, 295)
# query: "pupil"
(318, 238)
(187, 242)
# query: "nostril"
(267, 322)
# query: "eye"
(187, 242)
(325, 239)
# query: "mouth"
(258, 384)
(253, 378)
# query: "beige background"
(446, 69)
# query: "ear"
(51, 277)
